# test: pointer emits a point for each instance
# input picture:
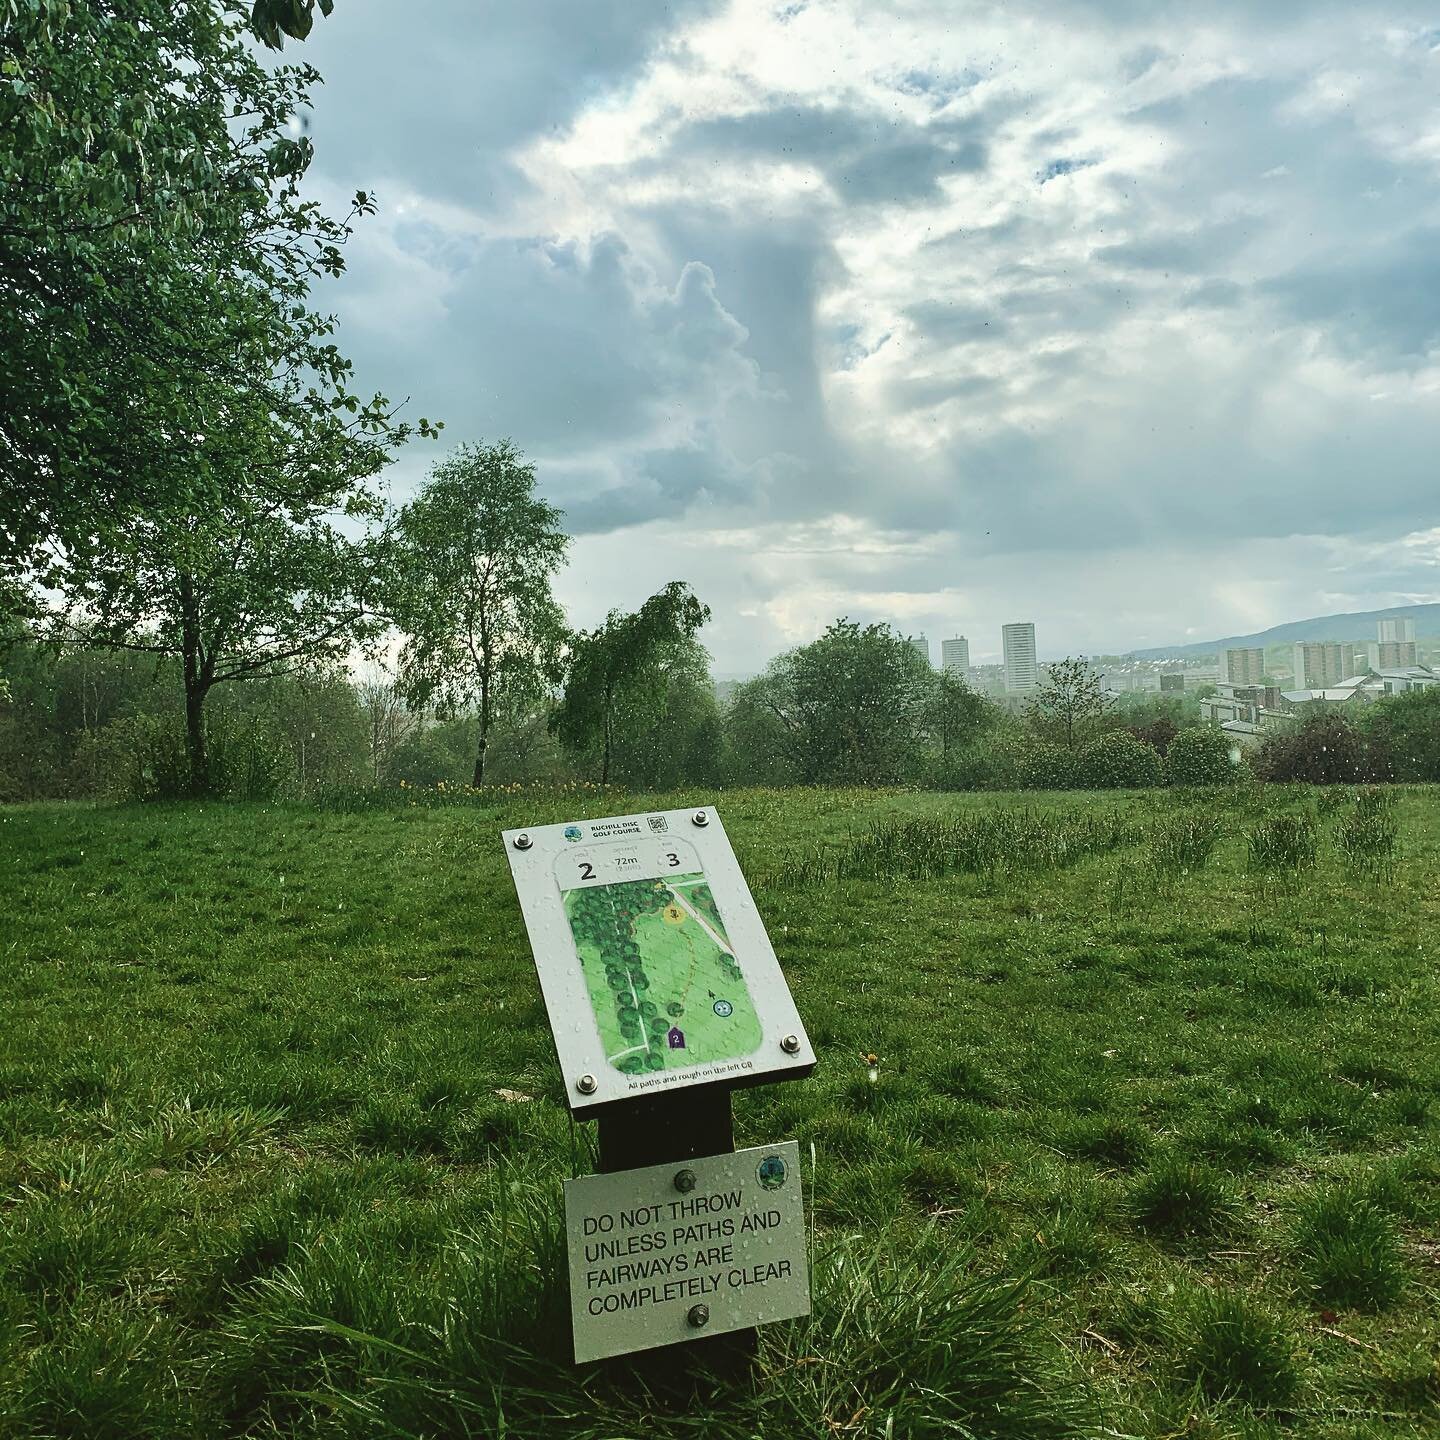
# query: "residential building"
(1363, 688)
(1245, 712)
(1322, 663)
(1171, 680)
(955, 656)
(1393, 654)
(1243, 667)
(921, 646)
(1395, 632)
(1129, 680)
(1022, 675)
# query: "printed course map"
(663, 980)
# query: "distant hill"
(1357, 626)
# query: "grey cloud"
(1202, 248)
(1213, 294)
(563, 347)
(663, 484)
(448, 91)
(866, 159)
(946, 323)
(1384, 305)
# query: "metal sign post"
(664, 995)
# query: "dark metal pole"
(658, 1130)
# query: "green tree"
(156, 257)
(1403, 733)
(388, 719)
(954, 714)
(618, 674)
(681, 745)
(1069, 700)
(476, 552)
(273, 20)
(242, 589)
(849, 707)
(756, 745)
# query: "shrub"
(1201, 755)
(1323, 749)
(1118, 761)
(249, 758)
(1043, 766)
(143, 757)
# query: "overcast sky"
(1123, 318)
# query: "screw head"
(701, 819)
(791, 1044)
(684, 1181)
(587, 1084)
(698, 1315)
(523, 841)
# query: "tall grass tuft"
(987, 845)
(1366, 837)
(911, 1336)
(1349, 1249)
(1183, 845)
(1179, 1198)
(1282, 842)
(1233, 1347)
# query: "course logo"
(771, 1172)
(573, 833)
(659, 824)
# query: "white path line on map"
(685, 905)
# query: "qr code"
(659, 824)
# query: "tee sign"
(655, 966)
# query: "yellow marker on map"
(674, 915)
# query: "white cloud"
(1123, 317)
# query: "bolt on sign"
(674, 1252)
(655, 966)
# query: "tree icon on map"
(653, 953)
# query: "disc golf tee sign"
(654, 963)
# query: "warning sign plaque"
(677, 1252)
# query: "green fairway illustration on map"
(662, 978)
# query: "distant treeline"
(857, 706)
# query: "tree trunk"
(195, 737)
(197, 686)
(484, 740)
(605, 751)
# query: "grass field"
(1154, 1149)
